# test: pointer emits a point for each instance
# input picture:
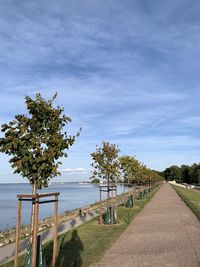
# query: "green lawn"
(191, 198)
(87, 243)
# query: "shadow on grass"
(69, 251)
(69, 255)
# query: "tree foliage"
(185, 171)
(173, 173)
(194, 173)
(131, 169)
(37, 141)
(183, 174)
(106, 166)
(134, 171)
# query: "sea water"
(72, 196)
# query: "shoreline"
(9, 192)
(88, 191)
(8, 236)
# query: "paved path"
(165, 233)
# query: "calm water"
(72, 195)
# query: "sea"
(72, 196)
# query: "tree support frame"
(36, 201)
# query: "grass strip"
(191, 198)
(86, 244)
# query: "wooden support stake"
(111, 204)
(34, 240)
(108, 195)
(18, 232)
(55, 240)
(124, 198)
(100, 206)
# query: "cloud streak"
(75, 170)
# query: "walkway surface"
(165, 233)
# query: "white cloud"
(74, 170)
(191, 121)
(4, 173)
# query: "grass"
(191, 198)
(86, 244)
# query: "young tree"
(36, 142)
(130, 168)
(106, 162)
(107, 167)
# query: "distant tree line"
(183, 174)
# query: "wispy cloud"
(191, 121)
(75, 170)
(4, 173)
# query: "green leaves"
(173, 173)
(184, 174)
(108, 166)
(105, 162)
(36, 141)
(135, 172)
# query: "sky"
(126, 71)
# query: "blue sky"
(125, 71)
